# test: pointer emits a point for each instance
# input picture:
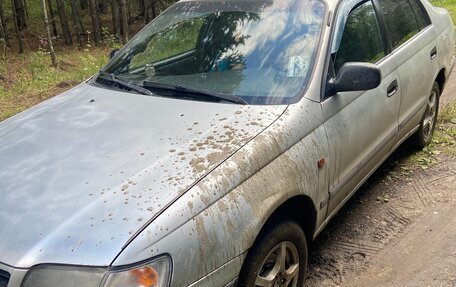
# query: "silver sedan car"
(217, 143)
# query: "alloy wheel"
(280, 268)
(430, 117)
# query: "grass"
(445, 134)
(443, 142)
(29, 78)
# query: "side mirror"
(356, 76)
(113, 53)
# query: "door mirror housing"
(356, 76)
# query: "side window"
(421, 15)
(400, 20)
(361, 39)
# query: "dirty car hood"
(83, 172)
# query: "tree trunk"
(19, 10)
(25, 9)
(77, 23)
(64, 22)
(52, 21)
(95, 24)
(154, 8)
(102, 7)
(124, 21)
(83, 4)
(115, 19)
(100, 23)
(16, 27)
(48, 31)
(3, 28)
(146, 12)
(142, 9)
(79, 17)
(128, 3)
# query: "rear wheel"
(423, 136)
(277, 259)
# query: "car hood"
(82, 173)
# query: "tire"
(423, 136)
(283, 239)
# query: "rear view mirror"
(357, 77)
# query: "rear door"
(361, 126)
(412, 40)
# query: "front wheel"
(423, 136)
(277, 259)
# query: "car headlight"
(156, 273)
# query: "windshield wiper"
(129, 85)
(204, 93)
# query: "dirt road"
(398, 230)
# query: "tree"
(20, 14)
(49, 37)
(52, 14)
(64, 22)
(78, 27)
(95, 24)
(3, 28)
(123, 21)
(66, 19)
(115, 19)
(99, 11)
(83, 4)
(16, 27)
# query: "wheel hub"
(280, 268)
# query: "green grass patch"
(445, 135)
(447, 113)
(29, 79)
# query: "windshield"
(261, 51)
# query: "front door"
(361, 126)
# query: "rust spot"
(321, 162)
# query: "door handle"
(392, 88)
(433, 53)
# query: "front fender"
(220, 218)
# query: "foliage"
(31, 79)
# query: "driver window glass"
(174, 41)
(361, 39)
